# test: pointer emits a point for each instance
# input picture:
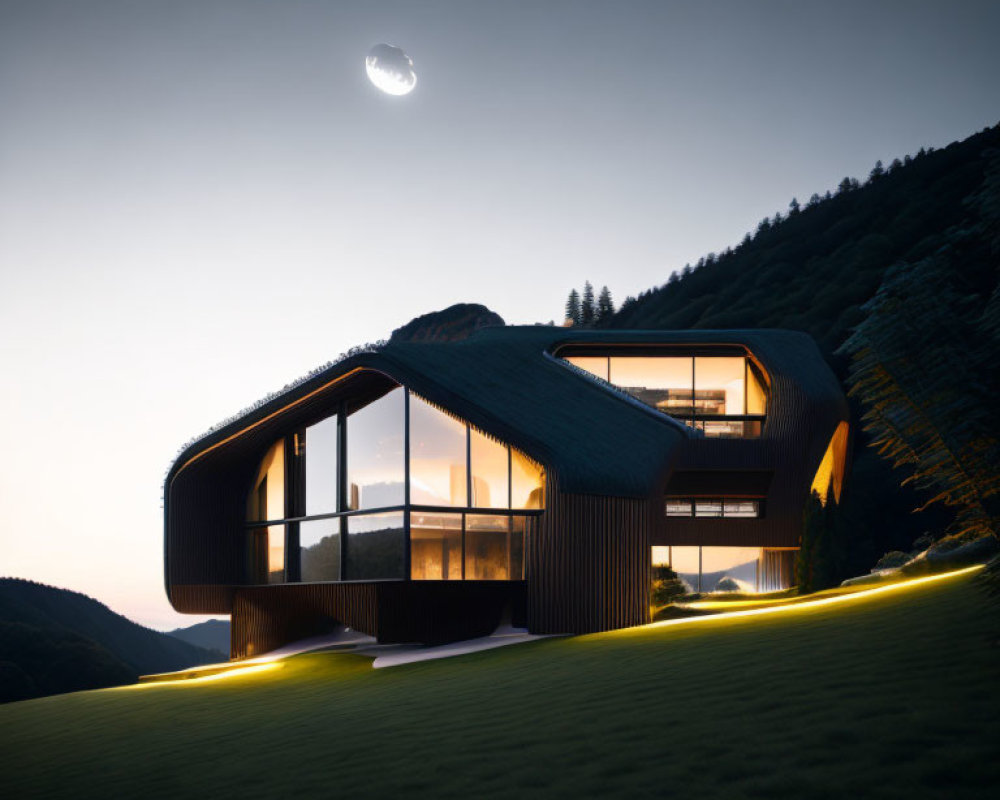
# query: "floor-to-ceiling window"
(724, 396)
(394, 489)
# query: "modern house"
(429, 491)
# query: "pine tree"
(573, 313)
(794, 207)
(813, 519)
(877, 171)
(605, 305)
(588, 309)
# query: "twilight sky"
(201, 200)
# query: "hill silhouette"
(55, 640)
(212, 634)
(814, 268)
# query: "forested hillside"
(54, 640)
(909, 261)
(813, 268)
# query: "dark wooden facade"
(609, 465)
(432, 612)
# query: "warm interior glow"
(831, 467)
(490, 481)
(267, 499)
(437, 456)
(594, 365)
(527, 481)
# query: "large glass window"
(722, 396)
(437, 456)
(435, 547)
(319, 550)
(665, 383)
(719, 384)
(404, 489)
(376, 466)
(320, 446)
(376, 546)
(728, 569)
(490, 472)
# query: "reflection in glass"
(267, 497)
(685, 561)
(437, 456)
(375, 456)
(487, 547)
(489, 471)
(276, 554)
(660, 556)
(719, 385)
(737, 564)
(321, 447)
(661, 382)
(435, 547)
(594, 365)
(527, 482)
(376, 546)
(319, 550)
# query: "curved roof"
(506, 381)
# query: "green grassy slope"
(889, 696)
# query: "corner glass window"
(437, 456)
(319, 447)
(376, 466)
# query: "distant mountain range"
(210, 635)
(54, 640)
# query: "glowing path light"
(215, 676)
(807, 605)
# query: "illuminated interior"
(830, 474)
(723, 396)
(362, 461)
(742, 569)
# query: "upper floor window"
(724, 396)
(712, 507)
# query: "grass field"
(894, 695)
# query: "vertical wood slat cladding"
(588, 564)
(429, 612)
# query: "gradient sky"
(202, 200)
